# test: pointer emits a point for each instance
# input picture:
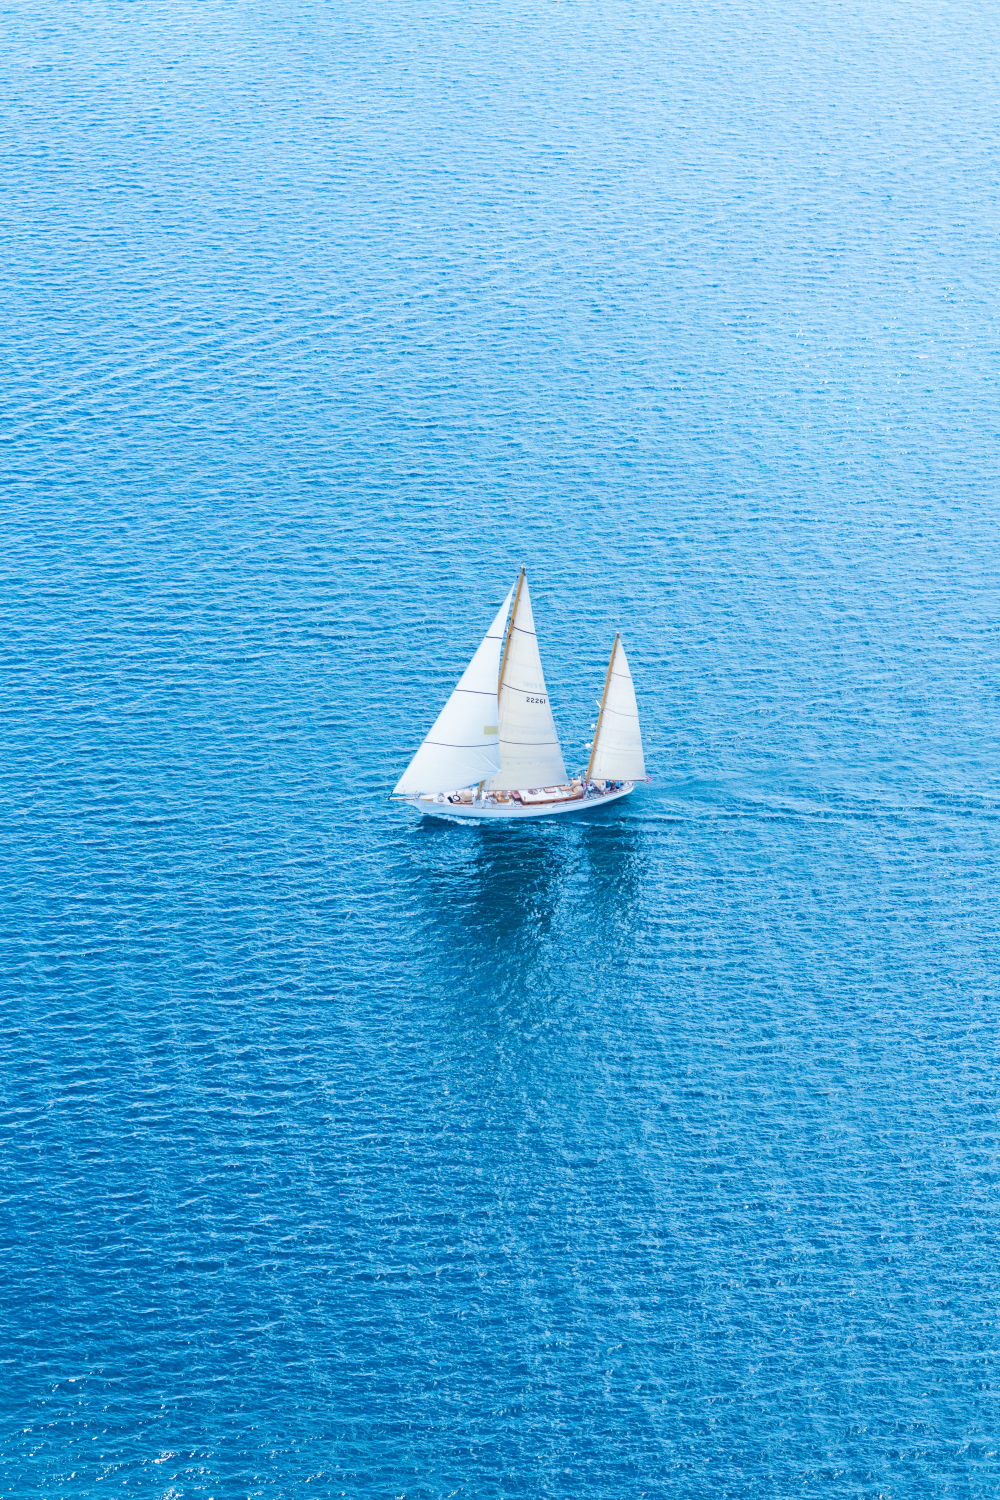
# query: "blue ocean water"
(346, 1155)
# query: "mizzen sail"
(463, 744)
(530, 754)
(617, 751)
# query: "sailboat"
(493, 753)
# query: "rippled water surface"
(654, 1155)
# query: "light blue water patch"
(346, 1155)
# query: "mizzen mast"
(600, 716)
(616, 754)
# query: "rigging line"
(457, 745)
(530, 744)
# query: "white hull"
(512, 812)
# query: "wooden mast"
(506, 640)
(600, 716)
(503, 659)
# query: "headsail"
(463, 745)
(530, 755)
(617, 751)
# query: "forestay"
(463, 745)
(617, 753)
(530, 755)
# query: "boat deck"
(538, 802)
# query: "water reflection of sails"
(501, 901)
(492, 893)
(612, 854)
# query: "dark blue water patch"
(653, 1154)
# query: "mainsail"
(530, 755)
(617, 751)
(463, 745)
